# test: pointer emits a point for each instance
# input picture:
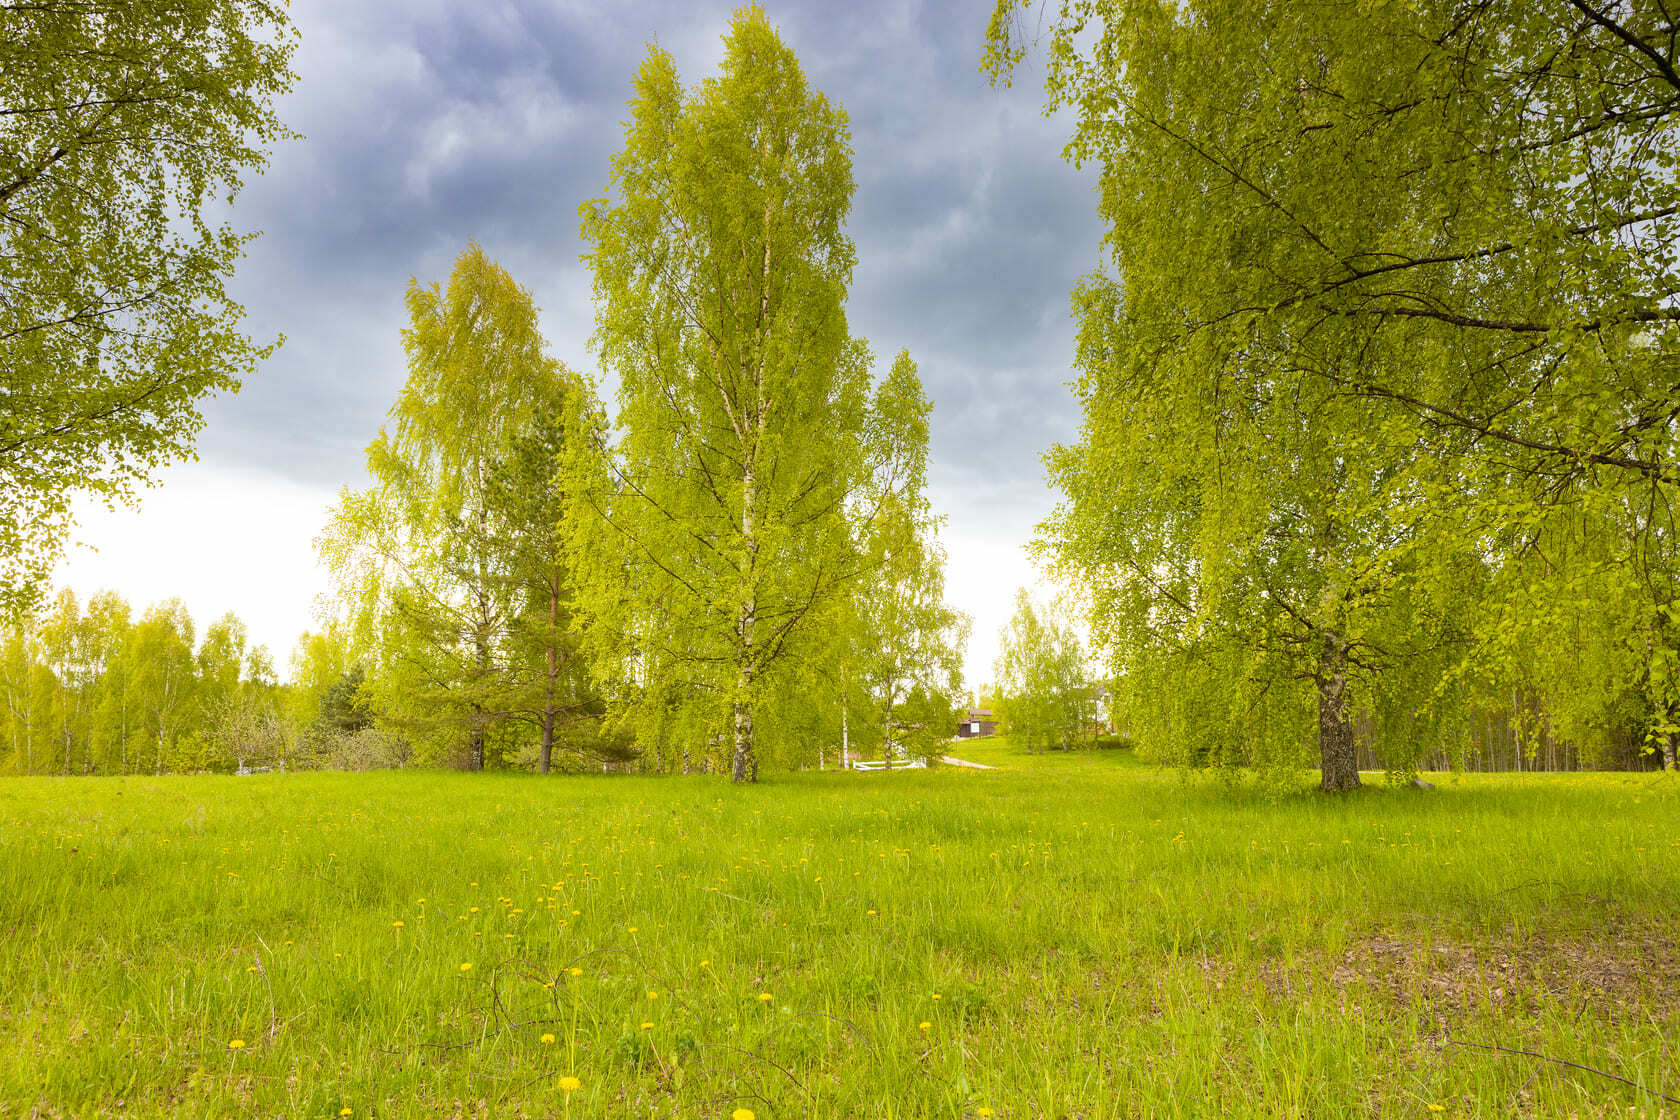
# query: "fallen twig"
(1564, 1062)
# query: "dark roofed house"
(977, 723)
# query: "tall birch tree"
(721, 266)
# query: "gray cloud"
(431, 123)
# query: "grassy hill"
(1072, 936)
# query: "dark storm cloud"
(429, 124)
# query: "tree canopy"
(719, 540)
(122, 128)
(450, 566)
(1379, 388)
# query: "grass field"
(1068, 936)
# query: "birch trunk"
(1338, 766)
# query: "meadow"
(1065, 936)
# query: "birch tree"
(1384, 363)
(1047, 699)
(425, 560)
(721, 266)
(126, 126)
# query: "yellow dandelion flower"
(396, 925)
(741, 1114)
(574, 972)
(647, 1026)
(925, 1025)
(872, 911)
(465, 967)
(347, 1111)
(631, 929)
(984, 1111)
(936, 995)
(252, 968)
(569, 1084)
(1437, 1108)
(705, 964)
(472, 909)
(653, 995)
(765, 997)
(547, 1040)
(237, 1044)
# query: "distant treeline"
(94, 690)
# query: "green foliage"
(1378, 393)
(91, 692)
(903, 664)
(449, 566)
(123, 124)
(720, 544)
(1045, 696)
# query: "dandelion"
(984, 1111)
(1437, 1108)
(252, 968)
(936, 995)
(574, 971)
(765, 997)
(396, 925)
(705, 964)
(466, 967)
(741, 1114)
(647, 1026)
(570, 1084)
(653, 995)
(237, 1044)
(547, 1040)
(347, 1111)
(631, 929)
(925, 1025)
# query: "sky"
(427, 124)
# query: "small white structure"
(895, 764)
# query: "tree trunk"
(744, 767)
(475, 743)
(1338, 765)
(1668, 745)
(548, 686)
(845, 737)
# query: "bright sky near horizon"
(429, 123)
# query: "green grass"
(1082, 936)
